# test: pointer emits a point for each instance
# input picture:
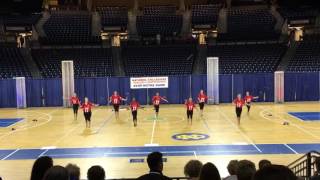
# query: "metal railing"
(304, 167)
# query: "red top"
(87, 107)
(238, 102)
(202, 98)
(156, 100)
(75, 100)
(248, 99)
(116, 99)
(134, 105)
(190, 105)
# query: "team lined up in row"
(116, 100)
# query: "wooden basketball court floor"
(119, 147)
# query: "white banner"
(149, 82)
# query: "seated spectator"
(155, 164)
(96, 173)
(316, 175)
(74, 171)
(274, 172)
(209, 172)
(192, 169)
(232, 169)
(56, 173)
(40, 166)
(263, 163)
(246, 170)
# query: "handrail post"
(309, 169)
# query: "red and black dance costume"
(202, 98)
(248, 99)
(87, 110)
(116, 100)
(134, 105)
(190, 106)
(75, 104)
(156, 102)
(239, 104)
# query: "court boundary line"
(69, 132)
(153, 130)
(44, 152)
(292, 123)
(9, 155)
(291, 148)
(37, 125)
(238, 129)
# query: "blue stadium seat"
(69, 28)
(307, 57)
(253, 58)
(91, 62)
(12, 63)
(159, 60)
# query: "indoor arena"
(159, 89)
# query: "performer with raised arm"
(156, 100)
(116, 99)
(248, 99)
(87, 106)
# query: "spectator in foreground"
(192, 169)
(316, 175)
(56, 173)
(209, 172)
(246, 170)
(74, 171)
(155, 164)
(232, 169)
(263, 163)
(96, 173)
(274, 172)
(40, 166)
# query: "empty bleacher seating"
(249, 24)
(205, 15)
(143, 3)
(296, 14)
(253, 58)
(91, 62)
(159, 60)
(115, 3)
(307, 56)
(112, 16)
(12, 63)
(69, 28)
(20, 20)
(159, 20)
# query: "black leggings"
(156, 108)
(116, 107)
(75, 108)
(248, 106)
(189, 114)
(238, 111)
(134, 115)
(201, 105)
(87, 116)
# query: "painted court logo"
(190, 137)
